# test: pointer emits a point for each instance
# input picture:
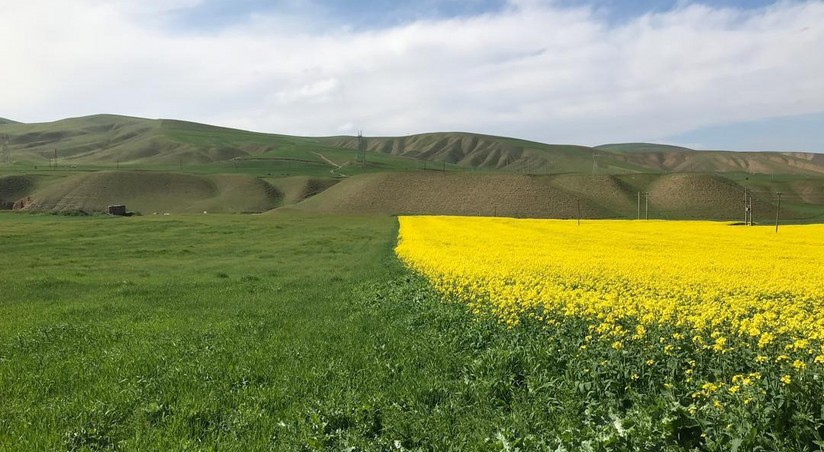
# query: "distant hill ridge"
(111, 139)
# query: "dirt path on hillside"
(336, 171)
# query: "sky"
(723, 74)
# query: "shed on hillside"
(116, 210)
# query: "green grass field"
(297, 331)
(281, 332)
(161, 332)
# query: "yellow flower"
(786, 379)
(800, 344)
(618, 278)
(719, 344)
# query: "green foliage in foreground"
(296, 332)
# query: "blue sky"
(723, 74)
(804, 131)
(382, 13)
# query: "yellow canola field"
(725, 284)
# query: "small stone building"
(116, 210)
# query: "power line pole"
(579, 210)
(778, 212)
(639, 205)
(646, 205)
(747, 207)
(361, 148)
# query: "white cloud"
(316, 92)
(533, 70)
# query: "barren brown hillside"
(702, 196)
(13, 188)
(672, 196)
(452, 194)
(611, 192)
(297, 188)
(727, 161)
(150, 192)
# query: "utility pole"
(579, 210)
(639, 205)
(747, 207)
(361, 148)
(646, 205)
(595, 163)
(778, 212)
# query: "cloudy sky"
(722, 74)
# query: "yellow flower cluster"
(720, 282)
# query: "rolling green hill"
(110, 140)
(482, 151)
(7, 121)
(177, 166)
(642, 147)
